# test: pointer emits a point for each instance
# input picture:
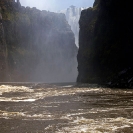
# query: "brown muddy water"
(64, 108)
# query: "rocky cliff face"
(105, 41)
(86, 48)
(35, 45)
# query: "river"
(64, 108)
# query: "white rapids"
(52, 108)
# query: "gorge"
(40, 45)
(37, 51)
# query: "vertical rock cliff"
(86, 51)
(35, 45)
(3, 50)
(105, 42)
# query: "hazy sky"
(56, 5)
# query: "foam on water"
(39, 93)
(83, 125)
(68, 108)
(4, 99)
(10, 88)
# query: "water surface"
(64, 108)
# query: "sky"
(56, 5)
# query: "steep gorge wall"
(85, 57)
(105, 41)
(35, 45)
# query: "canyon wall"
(105, 43)
(35, 46)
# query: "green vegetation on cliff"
(39, 45)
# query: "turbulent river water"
(64, 108)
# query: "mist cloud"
(56, 5)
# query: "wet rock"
(124, 79)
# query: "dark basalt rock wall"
(35, 45)
(86, 51)
(105, 41)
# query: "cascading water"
(72, 15)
